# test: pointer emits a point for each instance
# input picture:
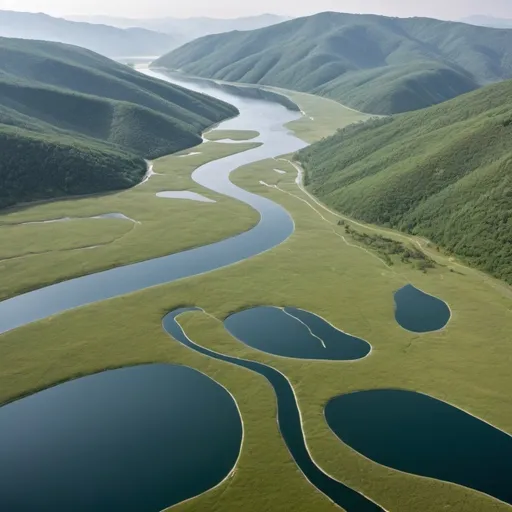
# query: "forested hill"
(444, 173)
(372, 63)
(67, 114)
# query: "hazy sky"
(446, 9)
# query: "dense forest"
(36, 166)
(56, 101)
(372, 63)
(444, 173)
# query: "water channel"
(289, 419)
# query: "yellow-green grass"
(322, 116)
(42, 254)
(466, 364)
(237, 135)
(22, 240)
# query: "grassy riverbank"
(34, 255)
(318, 271)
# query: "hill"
(372, 63)
(444, 173)
(109, 41)
(74, 122)
(187, 29)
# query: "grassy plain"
(237, 135)
(467, 364)
(45, 253)
(322, 115)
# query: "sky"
(443, 9)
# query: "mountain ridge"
(106, 40)
(371, 63)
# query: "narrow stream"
(289, 419)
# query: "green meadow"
(34, 255)
(320, 268)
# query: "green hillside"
(444, 173)
(57, 100)
(372, 63)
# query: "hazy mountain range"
(372, 63)
(186, 29)
(110, 41)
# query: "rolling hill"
(444, 173)
(74, 122)
(372, 63)
(109, 41)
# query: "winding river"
(275, 224)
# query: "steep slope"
(68, 114)
(110, 41)
(444, 173)
(373, 63)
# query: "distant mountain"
(372, 63)
(74, 122)
(488, 21)
(109, 41)
(444, 173)
(187, 29)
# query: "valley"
(278, 301)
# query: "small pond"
(292, 332)
(418, 311)
(130, 440)
(418, 434)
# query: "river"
(275, 226)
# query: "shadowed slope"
(73, 99)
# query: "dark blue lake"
(418, 311)
(292, 332)
(136, 439)
(418, 434)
